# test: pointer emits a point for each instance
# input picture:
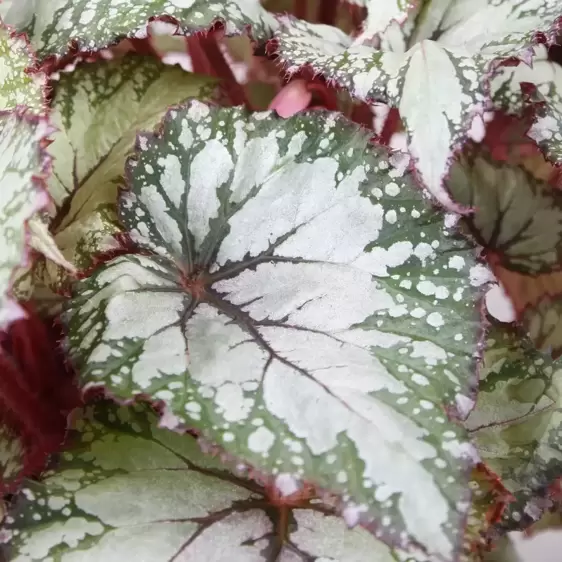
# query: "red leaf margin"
(75, 50)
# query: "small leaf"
(92, 25)
(22, 165)
(110, 499)
(98, 110)
(16, 86)
(515, 424)
(516, 217)
(288, 274)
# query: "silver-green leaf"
(297, 297)
(94, 24)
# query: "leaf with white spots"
(110, 498)
(22, 166)
(547, 77)
(517, 420)
(298, 296)
(18, 88)
(90, 25)
(98, 110)
(436, 89)
(517, 218)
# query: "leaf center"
(195, 282)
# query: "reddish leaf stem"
(207, 58)
(283, 524)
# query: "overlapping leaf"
(516, 422)
(110, 499)
(53, 26)
(299, 296)
(21, 162)
(440, 87)
(516, 217)
(429, 19)
(98, 109)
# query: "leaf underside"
(104, 502)
(92, 25)
(286, 276)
